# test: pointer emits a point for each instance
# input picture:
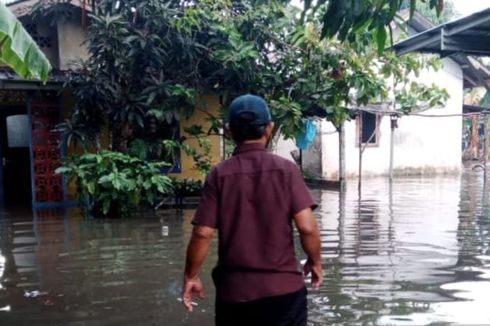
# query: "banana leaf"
(18, 50)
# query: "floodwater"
(412, 253)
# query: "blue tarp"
(304, 140)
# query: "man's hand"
(196, 253)
(190, 287)
(316, 273)
(310, 240)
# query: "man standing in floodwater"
(252, 200)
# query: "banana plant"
(18, 50)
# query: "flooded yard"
(412, 253)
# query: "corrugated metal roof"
(461, 40)
(469, 35)
(10, 80)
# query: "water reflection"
(409, 253)
(61, 268)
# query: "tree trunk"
(121, 135)
(474, 139)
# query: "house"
(428, 143)
(30, 146)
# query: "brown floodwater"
(415, 252)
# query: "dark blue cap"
(249, 109)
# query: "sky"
(466, 7)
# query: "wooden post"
(362, 149)
(474, 138)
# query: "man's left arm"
(205, 223)
(196, 254)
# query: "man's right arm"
(310, 240)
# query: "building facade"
(30, 144)
(427, 144)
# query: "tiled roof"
(24, 7)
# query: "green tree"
(150, 58)
(447, 14)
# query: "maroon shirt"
(251, 199)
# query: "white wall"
(423, 146)
(284, 148)
(434, 143)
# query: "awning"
(11, 81)
(468, 35)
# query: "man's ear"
(268, 129)
(228, 131)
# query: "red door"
(46, 151)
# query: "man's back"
(250, 199)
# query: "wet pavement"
(412, 253)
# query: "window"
(147, 143)
(18, 131)
(368, 128)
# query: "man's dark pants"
(284, 310)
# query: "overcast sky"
(466, 7)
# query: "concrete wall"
(71, 37)
(284, 147)
(312, 157)
(423, 146)
(44, 33)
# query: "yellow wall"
(68, 102)
(209, 103)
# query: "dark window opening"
(147, 143)
(369, 128)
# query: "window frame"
(376, 143)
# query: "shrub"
(115, 184)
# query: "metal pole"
(360, 153)
(342, 153)
(486, 145)
(392, 148)
(393, 125)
